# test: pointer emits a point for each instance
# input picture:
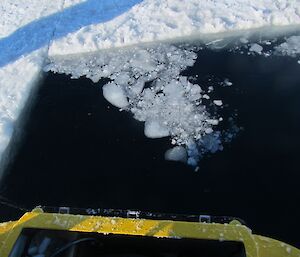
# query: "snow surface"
(154, 20)
(31, 31)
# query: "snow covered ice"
(32, 32)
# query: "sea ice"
(290, 47)
(146, 81)
(154, 129)
(115, 95)
(256, 48)
(158, 20)
(227, 82)
(177, 153)
(218, 102)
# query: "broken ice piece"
(256, 48)
(115, 95)
(154, 129)
(177, 153)
(244, 40)
(227, 82)
(218, 102)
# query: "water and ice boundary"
(146, 80)
(31, 32)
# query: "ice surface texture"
(154, 20)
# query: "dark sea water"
(79, 151)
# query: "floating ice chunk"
(227, 82)
(115, 95)
(177, 153)
(194, 91)
(218, 102)
(192, 161)
(244, 40)
(212, 142)
(208, 130)
(256, 48)
(212, 122)
(205, 96)
(154, 129)
(291, 47)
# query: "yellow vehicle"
(62, 232)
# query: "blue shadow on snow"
(39, 32)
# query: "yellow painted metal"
(5, 228)
(256, 246)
